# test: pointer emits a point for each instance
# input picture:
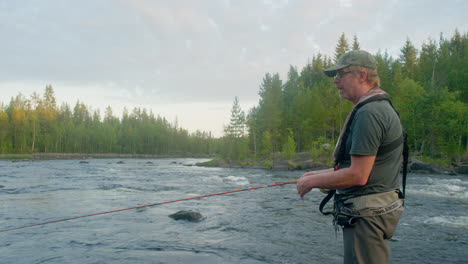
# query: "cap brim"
(331, 72)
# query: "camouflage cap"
(356, 58)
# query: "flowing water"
(268, 225)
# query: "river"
(268, 225)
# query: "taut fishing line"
(147, 205)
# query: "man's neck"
(363, 91)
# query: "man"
(368, 159)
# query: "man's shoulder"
(379, 108)
(383, 105)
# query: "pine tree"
(4, 129)
(267, 145)
(426, 67)
(342, 47)
(290, 91)
(270, 107)
(289, 146)
(236, 127)
(408, 58)
(356, 45)
(384, 68)
(253, 129)
(235, 143)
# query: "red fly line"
(147, 205)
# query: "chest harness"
(344, 213)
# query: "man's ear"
(362, 76)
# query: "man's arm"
(356, 175)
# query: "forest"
(303, 113)
(38, 125)
(428, 87)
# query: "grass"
(16, 156)
(440, 162)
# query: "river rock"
(190, 216)
(462, 169)
(417, 166)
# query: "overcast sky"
(189, 59)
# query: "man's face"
(345, 81)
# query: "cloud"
(153, 52)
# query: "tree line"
(428, 87)
(301, 114)
(37, 124)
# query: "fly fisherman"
(368, 157)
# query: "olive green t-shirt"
(375, 124)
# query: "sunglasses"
(341, 75)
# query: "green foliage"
(267, 145)
(270, 109)
(38, 125)
(356, 45)
(235, 147)
(268, 164)
(294, 166)
(342, 47)
(16, 156)
(428, 89)
(408, 58)
(322, 149)
(289, 146)
(440, 162)
(236, 127)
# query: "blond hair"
(372, 75)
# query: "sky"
(187, 60)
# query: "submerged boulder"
(190, 216)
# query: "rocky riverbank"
(83, 156)
(112, 156)
(303, 161)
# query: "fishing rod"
(148, 205)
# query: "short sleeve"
(367, 131)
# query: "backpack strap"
(405, 164)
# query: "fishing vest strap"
(341, 157)
(325, 200)
(391, 146)
(405, 164)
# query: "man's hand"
(305, 183)
(303, 186)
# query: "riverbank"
(304, 161)
(49, 156)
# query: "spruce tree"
(342, 47)
(356, 45)
(236, 127)
(409, 58)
